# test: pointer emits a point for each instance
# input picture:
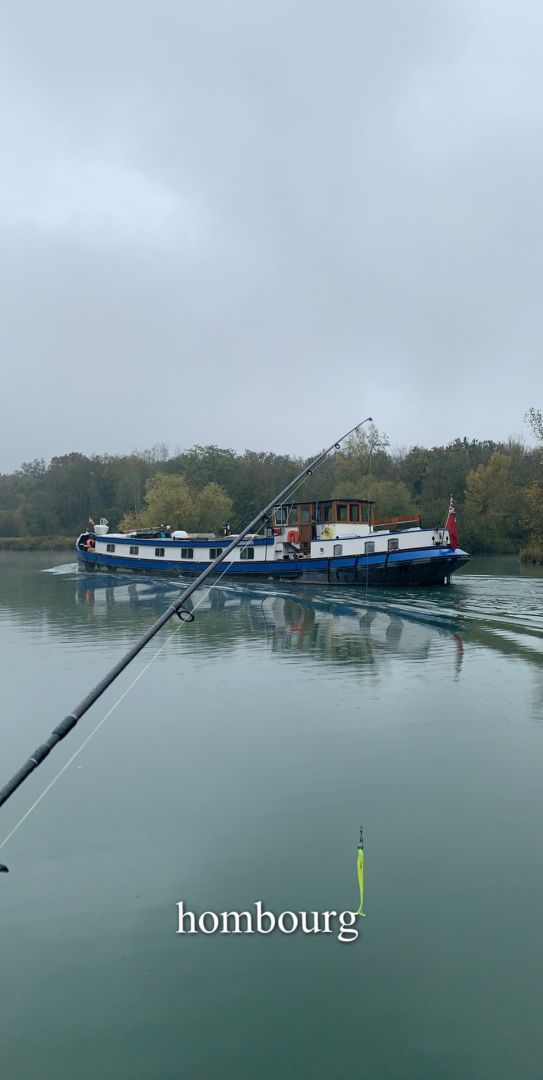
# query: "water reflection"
(344, 628)
(334, 630)
(355, 629)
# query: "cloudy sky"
(252, 223)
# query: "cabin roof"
(328, 502)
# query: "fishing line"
(89, 737)
(101, 722)
(176, 608)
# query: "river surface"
(239, 768)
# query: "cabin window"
(306, 516)
(341, 512)
(293, 515)
(134, 550)
(369, 547)
(159, 552)
(214, 553)
(110, 547)
(393, 545)
(338, 549)
(187, 553)
(324, 513)
(354, 512)
(281, 515)
(247, 553)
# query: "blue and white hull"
(415, 557)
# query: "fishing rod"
(177, 608)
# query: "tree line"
(497, 487)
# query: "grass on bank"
(36, 543)
(532, 553)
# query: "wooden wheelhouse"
(349, 514)
(305, 516)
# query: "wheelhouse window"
(324, 513)
(134, 550)
(306, 515)
(247, 553)
(159, 553)
(281, 515)
(354, 512)
(341, 512)
(214, 553)
(393, 544)
(369, 547)
(110, 547)
(187, 553)
(338, 549)
(293, 515)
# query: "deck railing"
(399, 520)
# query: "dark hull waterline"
(423, 568)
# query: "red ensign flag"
(450, 524)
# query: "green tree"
(535, 420)
(391, 497)
(203, 465)
(170, 500)
(365, 453)
(72, 487)
(214, 509)
(533, 511)
(492, 506)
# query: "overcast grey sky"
(253, 223)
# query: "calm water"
(239, 768)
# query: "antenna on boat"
(177, 608)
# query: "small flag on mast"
(451, 525)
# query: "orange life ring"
(293, 537)
(90, 544)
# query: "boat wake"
(64, 568)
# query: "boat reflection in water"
(358, 632)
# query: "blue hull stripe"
(273, 567)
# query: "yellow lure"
(360, 875)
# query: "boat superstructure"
(333, 541)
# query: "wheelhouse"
(306, 517)
(323, 512)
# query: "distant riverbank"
(36, 543)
